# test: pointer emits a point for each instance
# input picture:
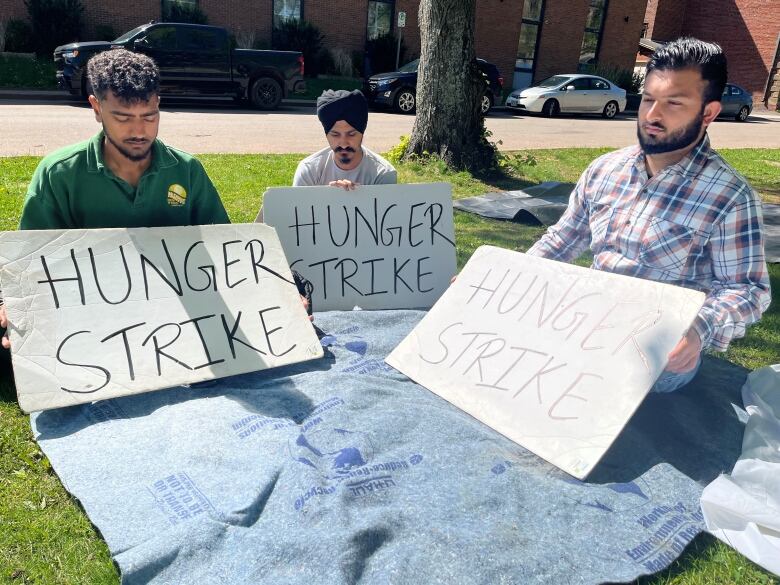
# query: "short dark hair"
(131, 77)
(690, 53)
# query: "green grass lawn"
(23, 73)
(45, 536)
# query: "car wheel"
(551, 108)
(265, 93)
(743, 114)
(486, 103)
(610, 110)
(405, 101)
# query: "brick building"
(527, 39)
(748, 31)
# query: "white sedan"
(574, 93)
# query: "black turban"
(350, 106)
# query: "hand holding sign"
(554, 356)
(103, 313)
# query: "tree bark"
(450, 85)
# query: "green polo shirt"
(73, 188)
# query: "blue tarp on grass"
(344, 471)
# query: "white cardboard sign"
(554, 356)
(377, 247)
(101, 313)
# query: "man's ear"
(711, 111)
(93, 101)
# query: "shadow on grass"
(7, 387)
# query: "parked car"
(736, 102)
(572, 93)
(194, 60)
(398, 89)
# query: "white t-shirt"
(321, 169)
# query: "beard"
(126, 153)
(344, 154)
(677, 140)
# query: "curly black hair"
(131, 77)
(691, 53)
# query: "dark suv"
(397, 89)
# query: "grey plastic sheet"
(772, 232)
(539, 204)
(344, 471)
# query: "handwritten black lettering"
(229, 263)
(145, 261)
(208, 270)
(230, 332)
(97, 280)
(434, 221)
(268, 333)
(102, 370)
(330, 227)
(158, 349)
(196, 322)
(128, 353)
(298, 225)
(50, 281)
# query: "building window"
(380, 18)
(286, 10)
(594, 26)
(528, 43)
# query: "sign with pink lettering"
(554, 356)
(96, 314)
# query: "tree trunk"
(450, 85)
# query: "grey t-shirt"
(321, 169)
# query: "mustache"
(343, 149)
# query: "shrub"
(623, 78)
(18, 36)
(54, 23)
(178, 12)
(105, 32)
(300, 35)
(381, 53)
(342, 63)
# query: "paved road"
(39, 127)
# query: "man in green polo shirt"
(124, 176)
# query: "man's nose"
(655, 112)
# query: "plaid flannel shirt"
(696, 224)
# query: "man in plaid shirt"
(672, 210)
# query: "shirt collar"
(162, 157)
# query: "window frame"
(391, 30)
(273, 13)
(598, 32)
(539, 25)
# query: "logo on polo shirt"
(177, 195)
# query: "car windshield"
(410, 67)
(130, 34)
(553, 81)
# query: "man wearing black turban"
(345, 162)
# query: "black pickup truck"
(194, 60)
